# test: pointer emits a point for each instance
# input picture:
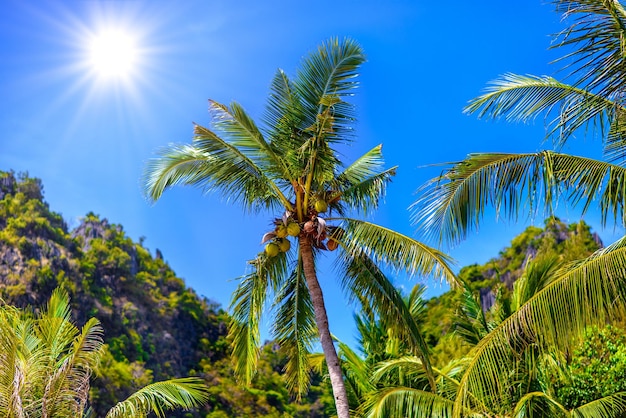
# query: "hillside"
(567, 242)
(155, 326)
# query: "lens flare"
(113, 54)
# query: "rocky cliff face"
(152, 321)
(569, 242)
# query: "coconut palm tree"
(591, 98)
(518, 347)
(46, 363)
(291, 166)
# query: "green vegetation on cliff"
(556, 240)
(155, 327)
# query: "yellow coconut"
(293, 229)
(281, 231)
(321, 206)
(284, 245)
(272, 249)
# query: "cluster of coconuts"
(287, 226)
(278, 238)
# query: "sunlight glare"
(113, 53)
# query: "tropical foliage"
(47, 363)
(522, 374)
(543, 322)
(291, 166)
(591, 98)
(144, 307)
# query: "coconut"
(284, 245)
(293, 229)
(332, 245)
(321, 206)
(281, 231)
(272, 249)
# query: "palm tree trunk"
(321, 319)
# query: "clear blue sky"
(88, 138)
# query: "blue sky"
(88, 138)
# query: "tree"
(453, 203)
(589, 292)
(517, 362)
(291, 166)
(46, 364)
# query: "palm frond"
(185, 393)
(536, 404)
(402, 253)
(362, 183)
(366, 166)
(362, 276)
(68, 387)
(536, 276)
(454, 203)
(613, 405)
(245, 136)
(357, 373)
(330, 71)
(585, 293)
(235, 177)
(566, 108)
(615, 142)
(597, 34)
(401, 401)
(470, 323)
(410, 367)
(247, 306)
(295, 330)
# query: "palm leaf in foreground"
(398, 251)
(159, 397)
(610, 406)
(402, 401)
(585, 293)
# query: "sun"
(113, 53)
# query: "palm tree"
(46, 364)
(518, 347)
(453, 203)
(584, 293)
(291, 167)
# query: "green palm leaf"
(357, 373)
(588, 292)
(363, 277)
(68, 386)
(366, 166)
(454, 203)
(535, 404)
(388, 247)
(568, 108)
(597, 33)
(610, 406)
(295, 329)
(244, 135)
(362, 183)
(235, 177)
(401, 401)
(330, 72)
(159, 397)
(247, 306)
